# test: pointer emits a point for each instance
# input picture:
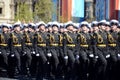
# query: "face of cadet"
(42, 28)
(46, 29)
(61, 29)
(84, 28)
(5, 29)
(74, 30)
(26, 29)
(70, 28)
(95, 29)
(65, 30)
(31, 30)
(102, 27)
(55, 28)
(107, 28)
(114, 27)
(118, 29)
(49, 29)
(17, 29)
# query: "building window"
(0, 10)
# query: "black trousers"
(84, 62)
(101, 64)
(26, 60)
(92, 63)
(54, 59)
(41, 63)
(117, 72)
(14, 61)
(70, 73)
(3, 58)
(112, 64)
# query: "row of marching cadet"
(65, 51)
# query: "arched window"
(2, 6)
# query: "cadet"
(31, 31)
(114, 50)
(84, 41)
(49, 26)
(53, 47)
(15, 50)
(31, 28)
(100, 48)
(48, 71)
(62, 61)
(40, 38)
(27, 48)
(102, 25)
(92, 55)
(4, 47)
(70, 49)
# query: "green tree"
(23, 12)
(43, 10)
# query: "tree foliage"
(23, 12)
(43, 10)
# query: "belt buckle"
(113, 45)
(54, 44)
(28, 43)
(71, 45)
(3, 44)
(17, 45)
(101, 45)
(42, 45)
(84, 45)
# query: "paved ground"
(23, 78)
(4, 74)
(1, 78)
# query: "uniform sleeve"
(77, 47)
(8, 38)
(23, 43)
(91, 42)
(47, 41)
(94, 43)
(32, 41)
(10, 43)
(64, 44)
(35, 42)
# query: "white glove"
(0, 52)
(37, 54)
(107, 56)
(77, 56)
(12, 55)
(65, 57)
(91, 55)
(24, 53)
(33, 52)
(96, 56)
(48, 62)
(118, 55)
(49, 54)
(8, 53)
